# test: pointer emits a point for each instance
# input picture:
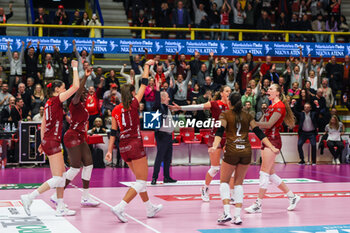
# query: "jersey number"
(238, 125)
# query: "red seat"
(94, 139)
(188, 136)
(255, 142)
(148, 139)
(178, 138)
(205, 135)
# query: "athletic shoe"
(224, 218)
(302, 162)
(333, 161)
(337, 161)
(89, 202)
(120, 214)
(232, 201)
(27, 202)
(255, 208)
(293, 202)
(237, 220)
(60, 212)
(54, 200)
(151, 212)
(205, 194)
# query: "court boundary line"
(131, 217)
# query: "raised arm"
(126, 76)
(76, 98)
(21, 54)
(8, 52)
(68, 93)
(91, 51)
(195, 8)
(77, 54)
(144, 81)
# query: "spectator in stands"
(98, 127)
(320, 26)
(266, 83)
(37, 99)
(42, 18)
(261, 113)
(331, 26)
(169, 88)
(181, 65)
(231, 77)
(6, 110)
(249, 20)
(160, 75)
(95, 22)
(211, 85)
(294, 25)
(334, 74)
(312, 64)
(249, 96)
(334, 8)
(4, 18)
(26, 97)
(249, 59)
(132, 78)
(200, 79)
(65, 71)
(31, 57)
(264, 23)
(295, 90)
(316, 9)
(214, 20)
(180, 95)
(327, 93)
(307, 130)
(346, 74)
(194, 93)
(150, 94)
(3, 76)
(99, 74)
(282, 24)
(272, 74)
(49, 66)
(181, 19)
(266, 66)
(76, 21)
(84, 21)
(140, 21)
(203, 115)
(308, 88)
(343, 27)
(224, 19)
(314, 79)
(305, 25)
(335, 129)
(15, 59)
(261, 98)
(200, 18)
(219, 76)
(90, 79)
(83, 56)
(111, 98)
(111, 79)
(164, 19)
(92, 105)
(297, 76)
(195, 65)
(61, 18)
(249, 109)
(304, 98)
(239, 15)
(4, 95)
(283, 84)
(319, 102)
(17, 113)
(30, 85)
(136, 61)
(39, 116)
(244, 75)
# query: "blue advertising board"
(188, 47)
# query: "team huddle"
(231, 139)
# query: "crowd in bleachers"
(300, 15)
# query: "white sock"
(122, 204)
(238, 211)
(85, 193)
(232, 193)
(206, 186)
(60, 203)
(148, 204)
(227, 209)
(259, 201)
(34, 194)
(290, 194)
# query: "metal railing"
(192, 31)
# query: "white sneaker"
(293, 202)
(333, 161)
(224, 218)
(255, 208)
(337, 161)
(120, 214)
(60, 212)
(205, 194)
(151, 212)
(89, 202)
(232, 201)
(237, 220)
(54, 200)
(27, 202)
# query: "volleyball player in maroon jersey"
(277, 113)
(51, 130)
(74, 140)
(216, 107)
(125, 116)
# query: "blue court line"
(292, 229)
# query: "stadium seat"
(188, 137)
(148, 139)
(255, 144)
(178, 139)
(205, 135)
(94, 139)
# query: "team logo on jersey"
(151, 120)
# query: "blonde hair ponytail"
(289, 119)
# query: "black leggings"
(336, 153)
(80, 154)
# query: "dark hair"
(236, 103)
(218, 93)
(17, 100)
(52, 86)
(126, 92)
